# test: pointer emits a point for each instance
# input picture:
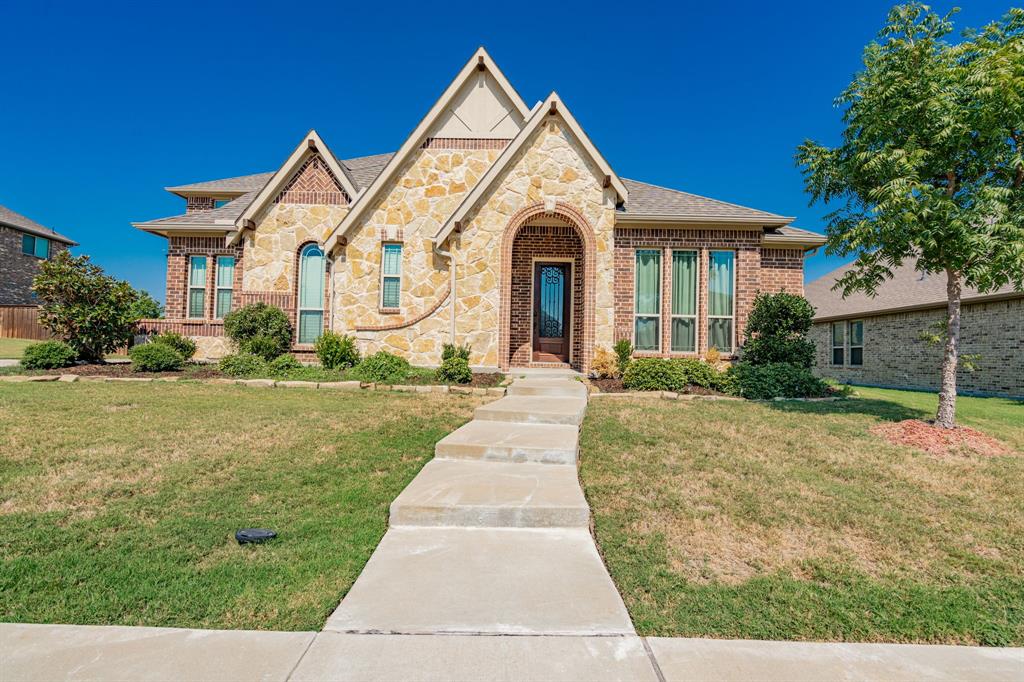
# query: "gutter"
(451, 269)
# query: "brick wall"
(178, 251)
(18, 269)
(894, 356)
(782, 270)
(193, 204)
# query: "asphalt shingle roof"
(20, 222)
(647, 199)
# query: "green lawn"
(791, 521)
(118, 502)
(12, 349)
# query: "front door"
(551, 312)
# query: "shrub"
(776, 380)
(48, 355)
(624, 351)
(698, 372)
(654, 374)
(605, 364)
(454, 370)
(242, 365)
(712, 356)
(777, 329)
(450, 350)
(259, 329)
(336, 351)
(284, 363)
(155, 357)
(93, 312)
(184, 345)
(383, 367)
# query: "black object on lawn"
(254, 535)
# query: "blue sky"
(105, 104)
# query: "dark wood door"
(551, 312)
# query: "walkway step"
(484, 580)
(509, 442)
(534, 410)
(492, 494)
(548, 387)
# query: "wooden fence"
(21, 322)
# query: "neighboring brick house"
(877, 341)
(24, 243)
(495, 225)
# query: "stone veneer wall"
(18, 269)
(895, 357)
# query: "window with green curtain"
(857, 342)
(391, 276)
(838, 344)
(311, 293)
(684, 301)
(197, 286)
(225, 283)
(721, 275)
(647, 308)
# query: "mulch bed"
(936, 440)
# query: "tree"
(147, 307)
(930, 166)
(92, 311)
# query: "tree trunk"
(946, 416)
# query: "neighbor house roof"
(20, 222)
(653, 203)
(908, 289)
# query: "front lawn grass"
(792, 521)
(119, 502)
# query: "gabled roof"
(237, 186)
(908, 289)
(480, 60)
(218, 219)
(551, 106)
(20, 222)
(653, 203)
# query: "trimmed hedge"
(455, 370)
(776, 380)
(654, 374)
(185, 346)
(284, 363)
(48, 355)
(242, 365)
(155, 357)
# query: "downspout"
(451, 270)
(330, 291)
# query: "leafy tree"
(92, 311)
(930, 166)
(147, 307)
(777, 330)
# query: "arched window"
(311, 293)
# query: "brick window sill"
(389, 311)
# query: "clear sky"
(104, 104)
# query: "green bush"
(155, 357)
(48, 355)
(654, 374)
(243, 365)
(624, 352)
(284, 363)
(184, 345)
(454, 370)
(336, 351)
(700, 373)
(450, 350)
(777, 380)
(383, 367)
(777, 329)
(259, 329)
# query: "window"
(856, 336)
(217, 203)
(225, 283)
(721, 299)
(391, 276)
(197, 286)
(647, 309)
(684, 301)
(35, 246)
(838, 344)
(311, 293)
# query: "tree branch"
(1018, 178)
(950, 183)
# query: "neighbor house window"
(721, 299)
(217, 203)
(647, 308)
(311, 293)
(35, 246)
(684, 301)
(391, 276)
(838, 344)
(225, 283)
(857, 342)
(197, 286)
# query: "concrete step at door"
(492, 494)
(525, 409)
(548, 387)
(511, 442)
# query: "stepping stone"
(483, 580)
(492, 494)
(548, 387)
(534, 410)
(510, 442)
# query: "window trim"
(661, 293)
(832, 343)
(848, 355)
(217, 288)
(190, 288)
(298, 295)
(696, 303)
(384, 277)
(731, 317)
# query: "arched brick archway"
(563, 231)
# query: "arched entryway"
(547, 293)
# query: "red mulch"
(939, 441)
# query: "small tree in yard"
(93, 312)
(777, 331)
(931, 164)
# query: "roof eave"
(686, 220)
(53, 236)
(934, 305)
